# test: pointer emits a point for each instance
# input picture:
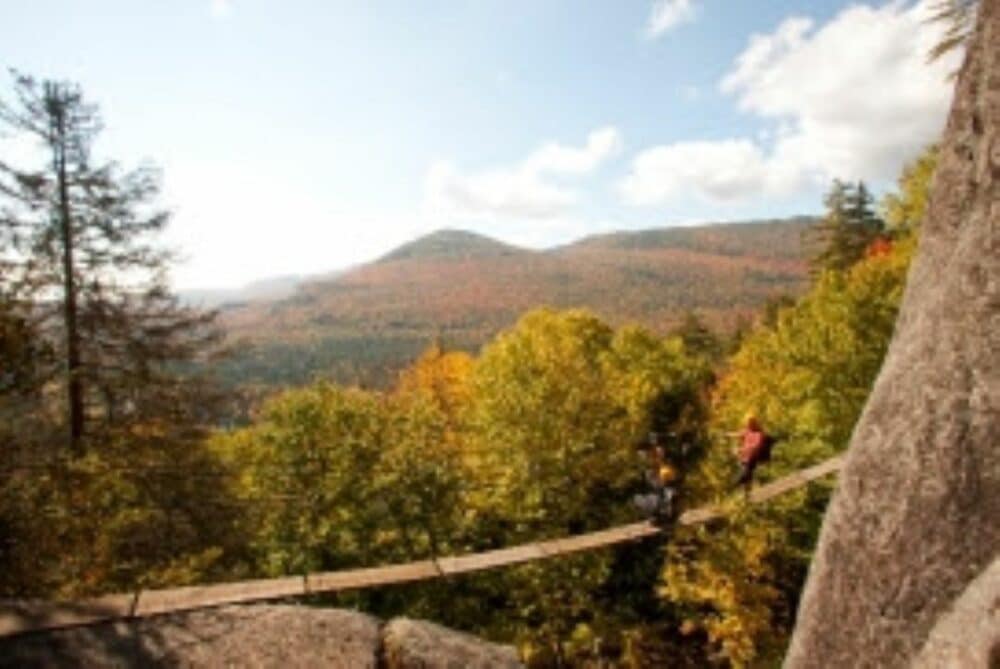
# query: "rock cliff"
(910, 535)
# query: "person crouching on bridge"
(662, 478)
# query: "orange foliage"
(879, 248)
(444, 376)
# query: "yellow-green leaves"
(558, 403)
(806, 377)
(905, 210)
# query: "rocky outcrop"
(282, 637)
(969, 634)
(409, 644)
(916, 517)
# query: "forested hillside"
(460, 289)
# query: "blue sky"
(302, 137)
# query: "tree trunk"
(74, 386)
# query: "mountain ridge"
(461, 288)
(704, 236)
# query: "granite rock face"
(969, 634)
(278, 637)
(916, 517)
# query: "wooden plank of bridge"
(583, 542)
(766, 491)
(461, 564)
(152, 602)
(353, 579)
(18, 617)
(796, 480)
(701, 515)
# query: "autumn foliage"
(533, 436)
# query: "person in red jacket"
(754, 448)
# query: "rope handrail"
(20, 617)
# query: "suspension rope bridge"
(30, 616)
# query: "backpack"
(765, 448)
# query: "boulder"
(412, 644)
(261, 636)
(968, 635)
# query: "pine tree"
(77, 252)
(848, 227)
(864, 225)
(697, 336)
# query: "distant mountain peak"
(450, 243)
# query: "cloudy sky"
(304, 136)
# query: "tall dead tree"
(77, 244)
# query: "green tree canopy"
(558, 404)
(849, 226)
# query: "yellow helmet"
(750, 418)
(667, 474)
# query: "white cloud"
(524, 190)
(221, 9)
(505, 192)
(721, 170)
(558, 159)
(668, 14)
(853, 98)
(858, 91)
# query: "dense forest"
(118, 471)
